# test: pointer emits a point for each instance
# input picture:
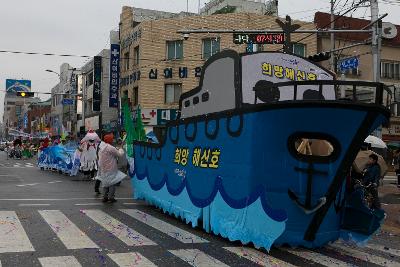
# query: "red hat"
(109, 138)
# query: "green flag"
(141, 133)
(129, 127)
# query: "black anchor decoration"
(307, 206)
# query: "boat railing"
(355, 91)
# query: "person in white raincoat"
(108, 172)
(88, 150)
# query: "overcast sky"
(82, 27)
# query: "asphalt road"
(51, 220)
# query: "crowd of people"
(19, 149)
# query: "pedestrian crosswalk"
(17, 164)
(13, 237)
(63, 261)
(67, 232)
(71, 231)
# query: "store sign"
(74, 83)
(114, 76)
(132, 38)
(13, 86)
(259, 38)
(68, 102)
(349, 63)
(97, 84)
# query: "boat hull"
(246, 196)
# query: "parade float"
(261, 151)
(62, 158)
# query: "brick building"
(158, 64)
(39, 118)
(390, 61)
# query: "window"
(174, 50)
(135, 96)
(89, 80)
(172, 93)
(299, 49)
(211, 46)
(126, 60)
(390, 70)
(136, 55)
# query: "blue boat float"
(232, 163)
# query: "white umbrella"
(375, 142)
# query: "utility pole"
(376, 40)
(332, 59)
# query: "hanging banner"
(97, 83)
(114, 76)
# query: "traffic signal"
(320, 57)
(25, 94)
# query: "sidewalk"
(390, 199)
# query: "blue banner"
(114, 76)
(349, 63)
(13, 86)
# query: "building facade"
(63, 104)
(390, 61)
(107, 118)
(260, 7)
(39, 119)
(158, 64)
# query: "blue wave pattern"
(255, 165)
(60, 158)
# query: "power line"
(337, 17)
(43, 54)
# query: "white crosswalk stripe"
(131, 259)
(197, 258)
(118, 229)
(64, 261)
(66, 231)
(368, 257)
(387, 250)
(257, 257)
(13, 237)
(173, 231)
(317, 257)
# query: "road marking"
(89, 204)
(71, 236)
(131, 259)
(118, 229)
(8, 175)
(22, 185)
(368, 257)
(54, 182)
(196, 258)
(13, 237)
(53, 199)
(166, 228)
(317, 257)
(257, 257)
(387, 250)
(64, 261)
(32, 205)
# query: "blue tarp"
(62, 158)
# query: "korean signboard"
(349, 63)
(114, 75)
(97, 84)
